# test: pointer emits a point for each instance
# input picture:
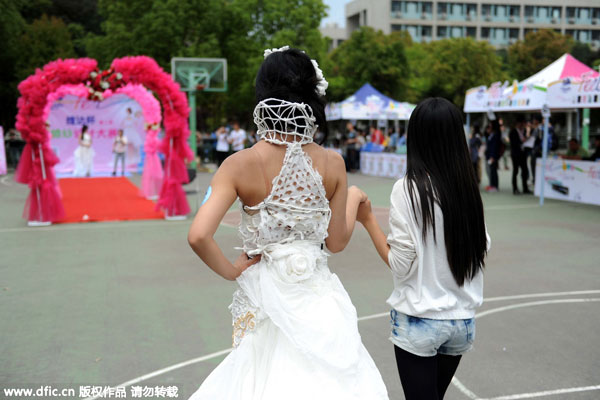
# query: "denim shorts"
(428, 337)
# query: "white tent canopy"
(530, 94)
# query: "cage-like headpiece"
(282, 122)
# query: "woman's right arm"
(200, 237)
(397, 250)
(344, 206)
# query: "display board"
(387, 165)
(575, 93)
(104, 119)
(577, 181)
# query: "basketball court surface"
(128, 303)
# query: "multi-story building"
(335, 33)
(500, 22)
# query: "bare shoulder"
(336, 162)
(239, 162)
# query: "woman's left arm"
(200, 237)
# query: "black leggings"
(425, 378)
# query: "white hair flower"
(323, 84)
(268, 52)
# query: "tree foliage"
(449, 67)
(537, 51)
(369, 56)
(34, 32)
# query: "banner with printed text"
(388, 165)
(577, 181)
(574, 93)
(104, 120)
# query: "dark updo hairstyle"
(289, 75)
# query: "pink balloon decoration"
(140, 73)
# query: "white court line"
(504, 298)
(4, 180)
(534, 295)
(511, 207)
(462, 388)
(470, 394)
(92, 225)
(545, 393)
(86, 226)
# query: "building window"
(472, 11)
(486, 10)
(485, 33)
(442, 31)
(457, 31)
(426, 31)
(443, 10)
(427, 7)
(513, 34)
(471, 32)
(556, 13)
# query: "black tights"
(425, 378)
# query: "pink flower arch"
(66, 76)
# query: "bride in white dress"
(295, 329)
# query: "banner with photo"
(577, 181)
(104, 120)
(387, 165)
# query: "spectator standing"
(120, 149)
(237, 138)
(14, 146)
(352, 147)
(517, 138)
(474, 146)
(376, 136)
(536, 142)
(222, 149)
(492, 154)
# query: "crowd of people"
(225, 140)
(524, 142)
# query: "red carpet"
(104, 199)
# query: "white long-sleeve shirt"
(423, 282)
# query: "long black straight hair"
(439, 171)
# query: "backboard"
(200, 74)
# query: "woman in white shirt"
(436, 250)
(222, 145)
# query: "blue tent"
(369, 104)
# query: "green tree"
(537, 51)
(584, 53)
(369, 56)
(237, 30)
(452, 66)
(12, 26)
(44, 40)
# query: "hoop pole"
(42, 161)
(37, 191)
(192, 138)
(169, 165)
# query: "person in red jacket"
(376, 135)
